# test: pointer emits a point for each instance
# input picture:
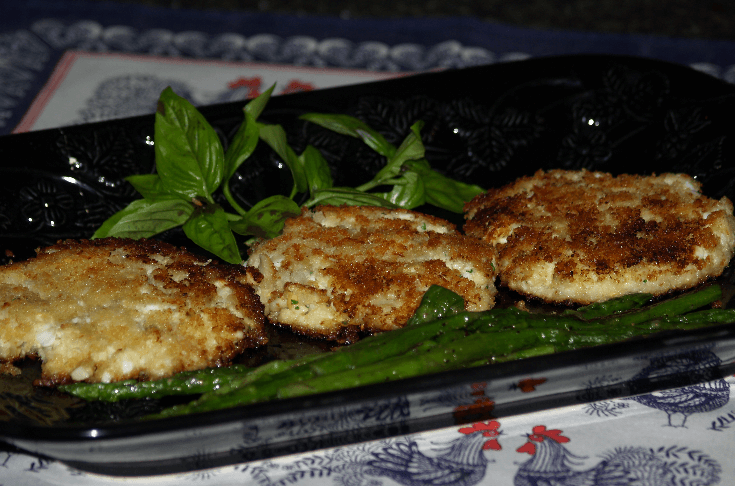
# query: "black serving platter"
(486, 125)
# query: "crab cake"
(339, 270)
(113, 309)
(582, 237)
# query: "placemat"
(36, 36)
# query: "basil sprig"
(191, 166)
(415, 182)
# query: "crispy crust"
(582, 237)
(336, 271)
(113, 309)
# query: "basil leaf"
(316, 169)
(441, 191)
(209, 228)
(275, 137)
(189, 155)
(266, 218)
(148, 185)
(348, 125)
(246, 139)
(144, 218)
(242, 146)
(412, 148)
(256, 106)
(345, 195)
(437, 303)
(408, 191)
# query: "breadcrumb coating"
(340, 270)
(113, 309)
(583, 237)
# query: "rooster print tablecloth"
(674, 437)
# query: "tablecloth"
(676, 437)
(40, 38)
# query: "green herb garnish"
(191, 167)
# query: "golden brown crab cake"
(339, 270)
(113, 309)
(582, 237)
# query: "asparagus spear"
(449, 356)
(610, 307)
(185, 383)
(441, 325)
(495, 336)
(437, 302)
(360, 362)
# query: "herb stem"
(231, 200)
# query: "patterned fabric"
(34, 36)
(607, 443)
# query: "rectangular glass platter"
(487, 125)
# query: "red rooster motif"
(463, 463)
(250, 85)
(552, 464)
